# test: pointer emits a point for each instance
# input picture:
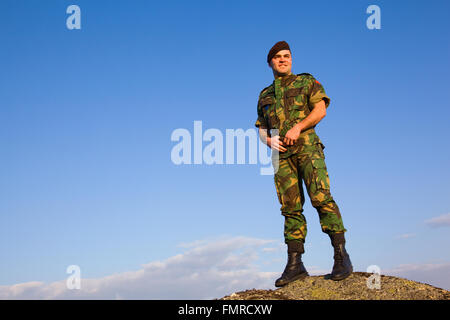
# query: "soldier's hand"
(292, 135)
(276, 143)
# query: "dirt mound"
(355, 287)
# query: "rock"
(353, 288)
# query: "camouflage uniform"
(287, 101)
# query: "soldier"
(292, 106)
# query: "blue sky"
(86, 118)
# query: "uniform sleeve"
(317, 94)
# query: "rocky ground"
(353, 288)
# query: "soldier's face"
(281, 63)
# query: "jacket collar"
(286, 80)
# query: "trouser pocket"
(289, 190)
(320, 174)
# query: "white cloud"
(206, 270)
(316, 271)
(435, 274)
(440, 221)
(406, 236)
(276, 247)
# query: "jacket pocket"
(290, 96)
(267, 106)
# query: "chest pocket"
(267, 105)
(296, 102)
(294, 97)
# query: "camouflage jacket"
(286, 102)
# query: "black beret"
(280, 45)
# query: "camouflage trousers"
(308, 165)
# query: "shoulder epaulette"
(265, 89)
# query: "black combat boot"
(342, 267)
(294, 268)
